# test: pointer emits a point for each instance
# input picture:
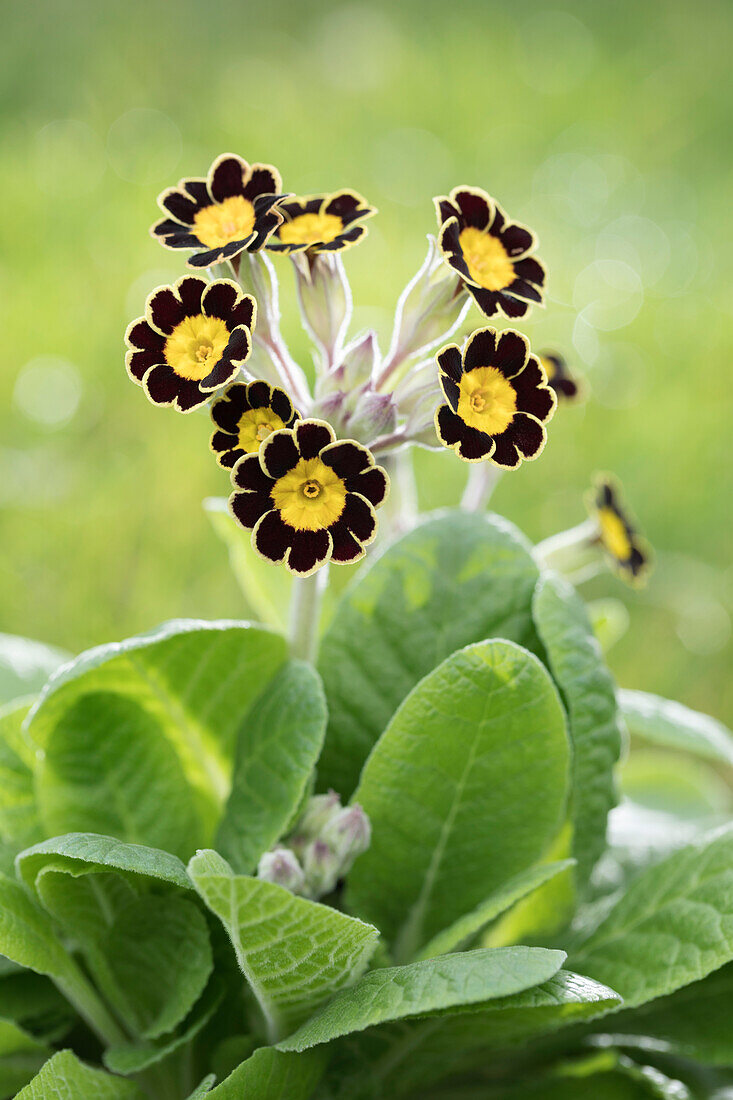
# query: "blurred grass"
(606, 127)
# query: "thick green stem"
(305, 614)
(576, 553)
(85, 999)
(482, 480)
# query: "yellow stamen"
(488, 261)
(195, 346)
(614, 535)
(223, 222)
(255, 425)
(310, 497)
(487, 400)
(311, 229)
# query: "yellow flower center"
(488, 261)
(195, 346)
(311, 229)
(613, 534)
(255, 425)
(310, 497)
(222, 222)
(487, 400)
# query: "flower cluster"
(302, 459)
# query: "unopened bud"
(348, 834)
(324, 296)
(281, 866)
(322, 868)
(374, 414)
(318, 812)
(358, 362)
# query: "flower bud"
(322, 868)
(348, 834)
(374, 414)
(318, 812)
(325, 302)
(281, 866)
(359, 362)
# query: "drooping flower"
(321, 223)
(627, 551)
(308, 497)
(234, 209)
(490, 253)
(498, 399)
(562, 381)
(245, 415)
(193, 339)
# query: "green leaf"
(462, 931)
(25, 666)
(674, 726)
(575, 660)
(673, 926)
(278, 748)
(204, 1088)
(409, 1055)
(270, 1075)
(28, 937)
(428, 986)
(19, 824)
(21, 1056)
(138, 737)
(694, 1022)
(64, 1077)
(610, 620)
(131, 1058)
(293, 952)
(457, 578)
(104, 853)
(465, 789)
(661, 782)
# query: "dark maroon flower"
(628, 552)
(562, 381)
(321, 223)
(245, 415)
(490, 254)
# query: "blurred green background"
(604, 126)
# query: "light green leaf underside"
(607, 1075)
(660, 781)
(64, 1077)
(278, 747)
(268, 1074)
(673, 926)
(25, 665)
(457, 578)
(466, 788)
(138, 737)
(293, 952)
(694, 1022)
(399, 1058)
(465, 928)
(431, 985)
(585, 683)
(674, 726)
(19, 824)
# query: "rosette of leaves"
(509, 933)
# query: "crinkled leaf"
(673, 925)
(462, 931)
(457, 578)
(19, 824)
(412, 1054)
(278, 747)
(64, 1077)
(466, 788)
(138, 737)
(674, 726)
(269, 1074)
(25, 665)
(104, 853)
(428, 986)
(33, 1001)
(293, 952)
(21, 1056)
(587, 688)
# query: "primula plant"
(396, 839)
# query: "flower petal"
(480, 350)
(373, 484)
(264, 180)
(141, 336)
(505, 453)
(533, 394)
(161, 384)
(512, 349)
(164, 310)
(477, 208)
(279, 453)
(346, 549)
(227, 410)
(531, 269)
(248, 474)
(271, 537)
(450, 361)
(346, 458)
(227, 176)
(528, 434)
(309, 551)
(181, 207)
(517, 239)
(312, 436)
(360, 518)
